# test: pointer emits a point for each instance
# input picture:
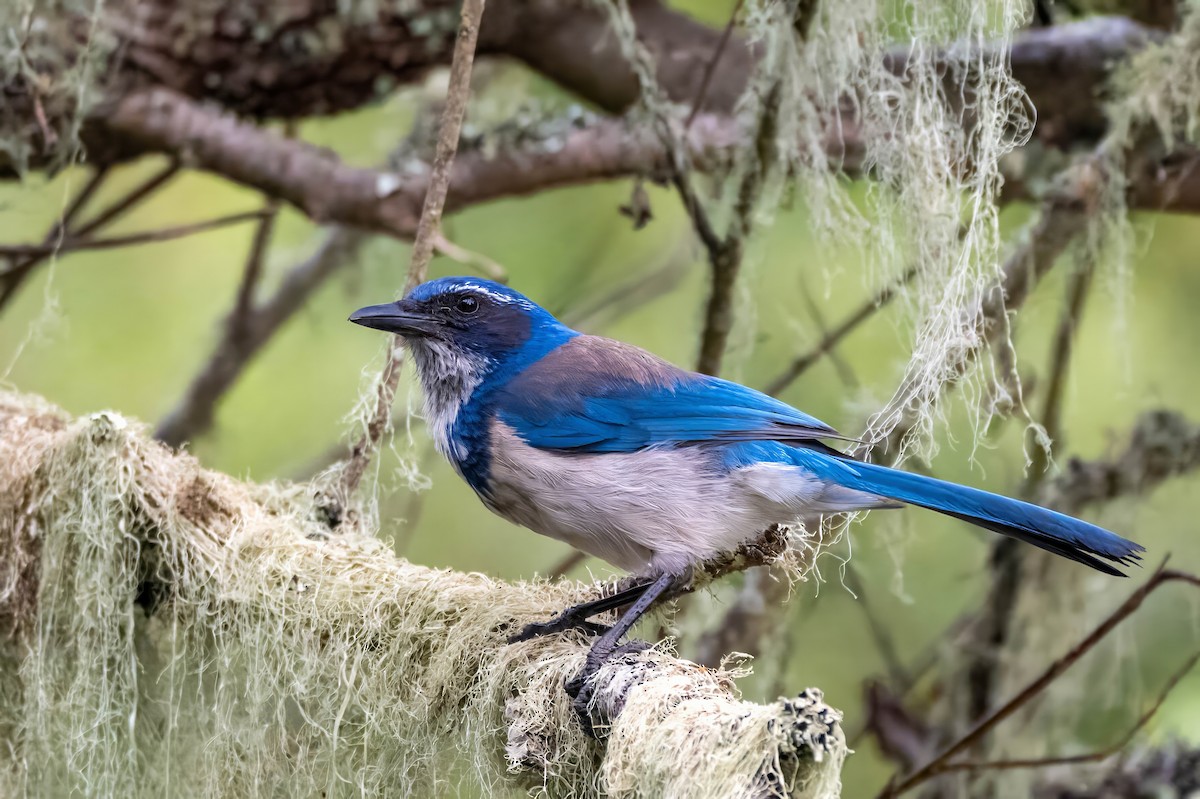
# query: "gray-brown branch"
(303, 58)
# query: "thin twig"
(940, 763)
(711, 67)
(1090, 757)
(572, 559)
(194, 412)
(595, 312)
(1008, 555)
(17, 271)
(481, 263)
(1060, 359)
(252, 273)
(14, 277)
(79, 202)
(73, 244)
(126, 202)
(1162, 444)
(844, 370)
(724, 253)
(834, 337)
(880, 634)
(1064, 215)
(919, 666)
(726, 258)
(457, 95)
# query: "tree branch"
(1166, 770)
(238, 560)
(269, 70)
(80, 243)
(327, 190)
(725, 257)
(318, 183)
(19, 269)
(710, 68)
(1007, 557)
(1090, 757)
(834, 337)
(1163, 444)
(252, 272)
(239, 344)
(17, 274)
(942, 763)
(1064, 215)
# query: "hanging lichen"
(930, 122)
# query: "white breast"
(657, 509)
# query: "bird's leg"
(576, 617)
(582, 685)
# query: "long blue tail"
(1050, 530)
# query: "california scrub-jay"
(650, 467)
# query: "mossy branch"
(179, 632)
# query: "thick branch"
(546, 34)
(317, 182)
(400, 662)
(302, 58)
(283, 74)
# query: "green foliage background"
(127, 329)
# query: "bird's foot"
(569, 619)
(582, 687)
(576, 617)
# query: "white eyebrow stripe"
(486, 292)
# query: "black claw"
(582, 687)
(582, 705)
(559, 624)
(631, 648)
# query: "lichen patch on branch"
(176, 632)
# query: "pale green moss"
(58, 79)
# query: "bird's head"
(458, 324)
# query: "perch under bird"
(173, 631)
(648, 466)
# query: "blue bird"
(645, 465)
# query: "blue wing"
(598, 395)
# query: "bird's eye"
(466, 305)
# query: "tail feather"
(1050, 530)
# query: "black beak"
(394, 317)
